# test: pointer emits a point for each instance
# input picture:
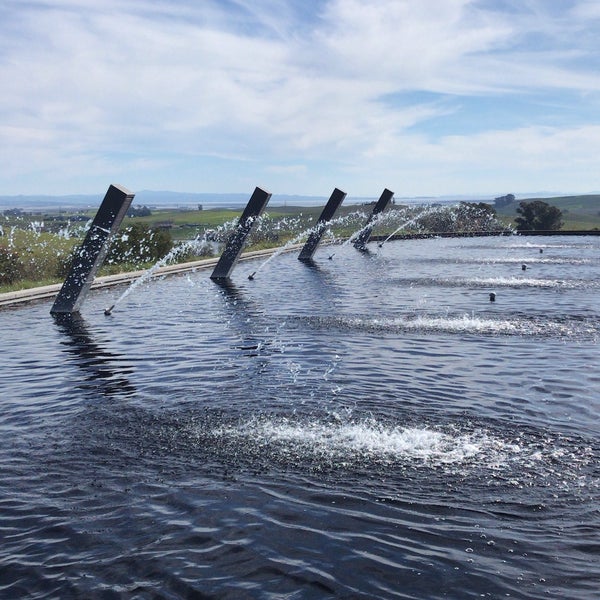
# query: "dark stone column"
(235, 244)
(334, 202)
(91, 254)
(362, 239)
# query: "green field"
(579, 213)
(186, 224)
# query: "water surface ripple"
(370, 426)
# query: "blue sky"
(427, 97)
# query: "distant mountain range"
(154, 199)
(164, 199)
(167, 199)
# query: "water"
(369, 427)
(325, 229)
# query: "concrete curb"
(49, 291)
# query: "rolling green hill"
(579, 212)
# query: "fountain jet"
(361, 241)
(334, 202)
(235, 244)
(91, 254)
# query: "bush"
(64, 263)
(11, 267)
(464, 217)
(139, 244)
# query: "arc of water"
(302, 235)
(198, 242)
(282, 249)
(149, 273)
(377, 219)
(229, 225)
(411, 221)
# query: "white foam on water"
(469, 323)
(460, 324)
(516, 282)
(531, 245)
(369, 438)
(531, 260)
(500, 458)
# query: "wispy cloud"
(198, 96)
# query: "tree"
(139, 211)
(539, 216)
(504, 200)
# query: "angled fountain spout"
(235, 243)
(92, 252)
(361, 241)
(334, 202)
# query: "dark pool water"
(368, 427)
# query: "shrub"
(11, 267)
(64, 263)
(139, 244)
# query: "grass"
(27, 284)
(42, 256)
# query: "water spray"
(413, 220)
(196, 243)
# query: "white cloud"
(528, 159)
(586, 10)
(406, 44)
(122, 84)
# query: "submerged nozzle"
(251, 276)
(523, 267)
(492, 296)
(331, 256)
(108, 311)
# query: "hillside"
(579, 212)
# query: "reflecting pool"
(370, 426)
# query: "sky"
(424, 97)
